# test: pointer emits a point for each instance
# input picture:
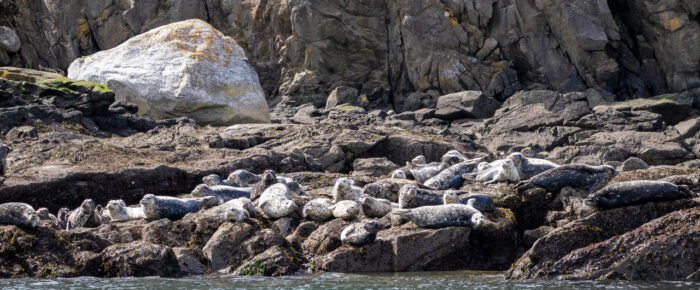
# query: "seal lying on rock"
(319, 209)
(230, 211)
(423, 172)
(359, 234)
(275, 201)
(159, 207)
(480, 202)
(452, 176)
(441, 216)
(62, 217)
(243, 178)
(453, 157)
(83, 216)
(102, 215)
(221, 192)
(583, 176)
(244, 203)
(213, 180)
(268, 179)
(293, 186)
(411, 196)
(119, 212)
(636, 192)
(346, 209)
(529, 167)
(503, 173)
(18, 214)
(398, 173)
(44, 215)
(344, 189)
(419, 160)
(375, 207)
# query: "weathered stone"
(139, 259)
(688, 128)
(275, 261)
(9, 40)
(372, 166)
(467, 104)
(344, 95)
(191, 261)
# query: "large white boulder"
(186, 68)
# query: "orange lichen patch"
(671, 22)
(453, 20)
(83, 31)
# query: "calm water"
(423, 280)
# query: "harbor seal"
(268, 179)
(398, 173)
(346, 209)
(18, 214)
(529, 167)
(243, 178)
(173, 208)
(583, 176)
(504, 172)
(375, 207)
(62, 217)
(636, 192)
(213, 180)
(453, 157)
(452, 176)
(411, 196)
(293, 186)
(223, 193)
(692, 181)
(275, 201)
(419, 160)
(3, 160)
(119, 212)
(101, 216)
(319, 209)
(480, 202)
(44, 215)
(83, 216)
(359, 234)
(423, 172)
(441, 216)
(482, 166)
(230, 211)
(344, 189)
(245, 203)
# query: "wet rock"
(275, 261)
(139, 259)
(191, 261)
(233, 243)
(324, 239)
(467, 104)
(372, 167)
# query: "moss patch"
(74, 87)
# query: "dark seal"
(582, 176)
(636, 192)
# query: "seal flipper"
(400, 211)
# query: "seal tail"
(400, 211)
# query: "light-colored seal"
(411, 196)
(529, 167)
(359, 234)
(293, 186)
(481, 202)
(83, 216)
(269, 178)
(423, 172)
(482, 166)
(230, 211)
(243, 178)
(398, 173)
(245, 203)
(159, 207)
(419, 160)
(346, 209)
(582, 176)
(44, 215)
(375, 207)
(18, 214)
(636, 192)
(223, 193)
(319, 209)
(101, 216)
(452, 176)
(441, 216)
(344, 189)
(119, 212)
(213, 180)
(503, 173)
(275, 201)
(453, 157)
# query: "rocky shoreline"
(68, 141)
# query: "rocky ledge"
(343, 189)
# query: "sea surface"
(416, 280)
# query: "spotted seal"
(411, 196)
(481, 202)
(269, 178)
(360, 233)
(529, 167)
(18, 214)
(119, 212)
(583, 176)
(319, 209)
(419, 160)
(441, 216)
(173, 208)
(83, 216)
(44, 215)
(293, 186)
(344, 189)
(375, 207)
(245, 203)
(423, 172)
(101, 216)
(230, 211)
(504, 172)
(214, 180)
(221, 192)
(346, 209)
(275, 201)
(452, 176)
(636, 192)
(243, 178)
(398, 173)
(453, 157)
(62, 217)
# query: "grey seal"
(221, 192)
(529, 167)
(230, 211)
(345, 189)
(398, 173)
(503, 172)
(423, 172)
(47, 219)
(583, 176)
(293, 186)
(269, 178)
(119, 212)
(419, 160)
(346, 209)
(159, 207)
(319, 209)
(375, 207)
(62, 217)
(411, 196)
(481, 202)
(453, 157)
(359, 234)
(243, 178)
(18, 214)
(83, 216)
(452, 176)
(636, 192)
(3, 160)
(275, 201)
(213, 180)
(441, 216)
